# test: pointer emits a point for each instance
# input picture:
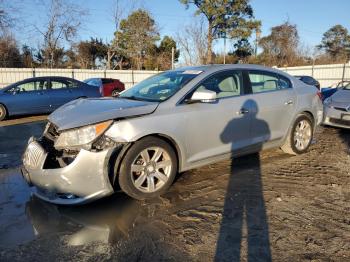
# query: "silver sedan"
(337, 108)
(172, 122)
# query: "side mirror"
(204, 96)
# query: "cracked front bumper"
(84, 180)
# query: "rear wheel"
(148, 168)
(300, 136)
(3, 112)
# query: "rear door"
(274, 105)
(62, 91)
(29, 97)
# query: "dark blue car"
(328, 92)
(40, 95)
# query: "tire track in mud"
(307, 199)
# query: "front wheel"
(3, 112)
(148, 168)
(300, 136)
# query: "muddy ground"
(261, 207)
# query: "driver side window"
(224, 84)
(31, 86)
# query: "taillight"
(320, 96)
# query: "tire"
(136, 173)
(291, 145)
(115, 92)
(3, 112)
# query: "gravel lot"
(263, 207)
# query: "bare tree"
(7, 18)
(9, 52)
(64, 19)
(192, 41)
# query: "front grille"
(339, 121)
(34, 155)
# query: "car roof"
(217, 67)
(38, 78)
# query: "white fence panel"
(327, 75)
(128, 77)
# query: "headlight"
(327, 101)
(81, 136)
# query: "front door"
(30, 97)
(220, 127)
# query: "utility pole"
(225, 48)
(172, 57)
(223, 35)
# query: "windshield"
(160, 87)
(93, 81)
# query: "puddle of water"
(24, 217)
(14, 225)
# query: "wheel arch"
(7, 110)
(301, 112)
(310, 114)
(118, 155)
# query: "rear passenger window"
(224, 84)
(72, 84)
(263, 82)
(266, 82)
(58, 84)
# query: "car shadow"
(244, 218)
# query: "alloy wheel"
(302, 135)
(151, 169)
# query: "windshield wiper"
(137, 98)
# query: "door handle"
(289, 102)
(242, 111)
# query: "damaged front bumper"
(83, 180)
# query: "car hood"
(84, 112)
(341, 97)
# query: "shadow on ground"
(244, 214)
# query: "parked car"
(108, 86)
(309, 81)
(337, 108)
(327, 92)
(169, 123)
(40, 95)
